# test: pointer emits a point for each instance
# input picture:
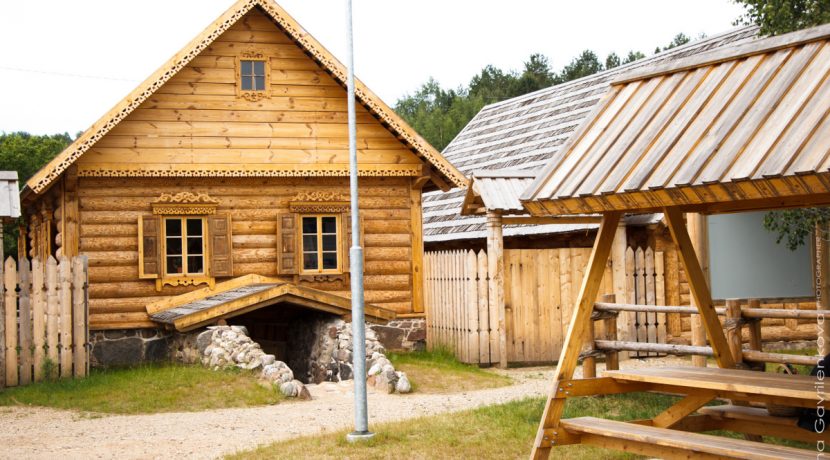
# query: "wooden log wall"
(109, 211)
(44, 317)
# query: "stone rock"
(289, 389)
(203, 341)
(303, 393)
(417, 335)
(156, 350)
(403, 385)
(268, 359)
(115, 353)
(389, 337)
(240, 330)
(345, 371)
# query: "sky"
(65, 63)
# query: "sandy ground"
(40, 433)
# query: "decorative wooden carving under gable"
(185, 203)
(253, 54)
(319, 202)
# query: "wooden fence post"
(38, 317)
(612, 358)
(618, 267)
(65, 299)
(733, 325)
(79, 315)
(52, 312)
(754, 326)
(484, 352)
(2, 320)
(10, 345)
(495, 266)
(25, 285)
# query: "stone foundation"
(402, 334)
(129, 347)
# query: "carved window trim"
(185, 203)
(320, 272)
(185, 278)
(252, 54)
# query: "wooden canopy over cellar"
(247, 293)
(733, 130)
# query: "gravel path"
(40, 433)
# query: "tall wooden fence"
(540, 288)
(43, 319)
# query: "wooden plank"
(80, 314)
(484, 355)
(472, 308)
(554, 302)
(38, 318)
(417, 241)
(4, 318)
(25, 322)
(674, 444)
(576, 332)
(565, 291)
(65, 309)
(699, 287)
(10, 303)
(52, 316)
(660, 295)
(651, 298)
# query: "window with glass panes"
(252, 75)
(320, 243)
(184, 246)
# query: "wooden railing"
(43, 320)
(736, 318)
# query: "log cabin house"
(228, 166)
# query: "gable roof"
(743, 127)
(526, 132)
(496, 191)
(442, 168)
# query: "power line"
(63, 74)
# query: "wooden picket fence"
(44, 319)
(645, 285)
(540, 288)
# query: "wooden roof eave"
(446, 173)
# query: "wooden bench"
(756, 420)
(672, 444)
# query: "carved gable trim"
(317, 202)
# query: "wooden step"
(751, 414)
(673, 444)
(757, 421)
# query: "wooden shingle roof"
(497, 191)
(527, 131)
(744, 127)
(442, 168)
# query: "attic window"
(252, 75)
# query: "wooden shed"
(232, 160)
(737, 129)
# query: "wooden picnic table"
(670, 434)
(735, 384)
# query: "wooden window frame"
(252, 95)
(339, 244)
(185, 278)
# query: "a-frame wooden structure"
(733, 130)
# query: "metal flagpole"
(361, 420)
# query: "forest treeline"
(439, 114)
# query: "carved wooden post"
(734, 323)
(612, 358)
(495, 265)
(10, 346)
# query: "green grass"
(439, 371)
(147, 389)
(501, 431)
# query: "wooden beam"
(697, 224)
(699, 287)
(680, 410)
(516, 220)
(495, 266)
(417, 239)
(546, 435)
